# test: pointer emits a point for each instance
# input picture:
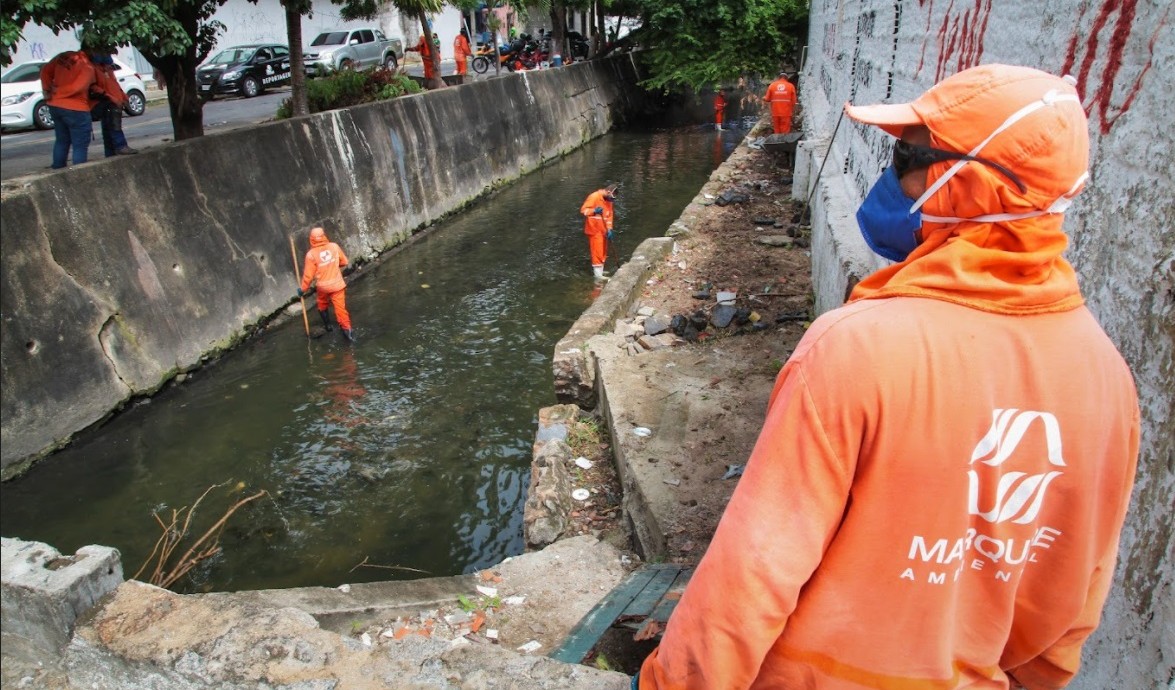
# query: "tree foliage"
(699, 43)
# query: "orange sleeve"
(588, 209)
(609, 212)
(48, 71)
(771, 538)
(309, 272)
(342, 256)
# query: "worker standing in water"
(719, 109)
(597, 225)
(325, 265)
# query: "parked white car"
(22, 103)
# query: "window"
(281, 52)
(263, 54)
(365, 36)
(332, 38)
(26, 72)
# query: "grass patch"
(346, 88)
(583, 436)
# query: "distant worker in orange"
(325, 266)
(781, 94)
(935, 500)
(461, 55)
(719, 109)
(425, 47)
(597, 225)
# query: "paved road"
(30, 151)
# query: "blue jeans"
(110, 115)
(73, 128)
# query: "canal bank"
(410, 634)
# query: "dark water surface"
(412, 448)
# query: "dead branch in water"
(164, 573)
(365, 564)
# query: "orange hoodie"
(936, 495)
(67, 79)
(324, 263)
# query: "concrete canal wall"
(1122, 226)
(117, 275)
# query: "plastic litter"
(581, 494)
(642, 431)
(583, 462)
(488, 591)
(733, 471)
(532, 646)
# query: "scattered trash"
(581, 494)
(583, 462)
(365, 639)
(492, 633)
(733, 471)
(345, 589)
(672, 482)
(532, 646)
(514, 600)
(726, 297)
(424, 285)
(458, 642)
(388, 632)
(642, 432)
(488, 591)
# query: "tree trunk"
(559, 30)
(298, 103)
(598, 34)
(434, 55)
(183, 92)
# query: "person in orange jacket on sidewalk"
(461, 54)
(66, 81)
(425, 47)
(781, 94)
(597, 225)
(935, 499)
(719, 108)
(326, 264)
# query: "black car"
(244, 70)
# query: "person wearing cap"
(597, 225)
(781, 94)
(936, 495)
(326, 264)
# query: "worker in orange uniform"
(425, 47)
(325, 266)
(461, 54)
(597, 225)
(935, 500)
(719, 109)
(66, 81)
(781, 94)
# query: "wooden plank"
(588, 631)
(668, 602)
(643, 603)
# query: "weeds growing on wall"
(346, 88)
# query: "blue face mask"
(889, 228)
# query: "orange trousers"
(782, 123)
(718, 117)
(599, 248)
(339, 300)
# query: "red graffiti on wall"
(959, 37)
(1099, 95)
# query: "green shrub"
(345, 88)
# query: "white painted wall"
(1122, 227)
(262, 22)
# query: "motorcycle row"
(528, 52)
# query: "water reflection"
(411, 449)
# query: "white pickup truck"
(351, 49)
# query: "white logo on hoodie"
(1018, 495)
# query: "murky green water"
(411, 449)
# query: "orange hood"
(318, 237)
(1004, 266)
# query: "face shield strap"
(1049, 99)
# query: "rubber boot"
(598, 272)
(348, 335)
(326, 321)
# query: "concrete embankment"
(119, 274)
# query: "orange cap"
(1048, 149)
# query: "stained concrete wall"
(116, 275)
(1122, 227)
